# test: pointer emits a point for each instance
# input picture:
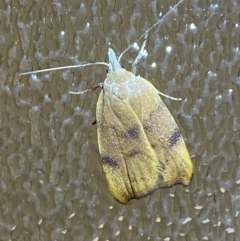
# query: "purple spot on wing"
(109, 161)
(174, 138)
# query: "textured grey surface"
(51, 181)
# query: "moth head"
(114, 65)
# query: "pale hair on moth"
(139, 142)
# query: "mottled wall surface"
(52, 186)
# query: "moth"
(139, 142)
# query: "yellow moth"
(139, 142)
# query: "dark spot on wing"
(153, 145)
(162, 166)
(109, 161)
(147, 127)
(160, 178)
(174, 138)
(133, 132)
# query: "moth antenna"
(63, 67)
(140, 55)
(148, 30)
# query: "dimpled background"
(52, 186)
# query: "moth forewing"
(124, 150)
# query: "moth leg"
(94, 87)
(169, 97)
(141, 53)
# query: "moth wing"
(163, 135)
(131, 166)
